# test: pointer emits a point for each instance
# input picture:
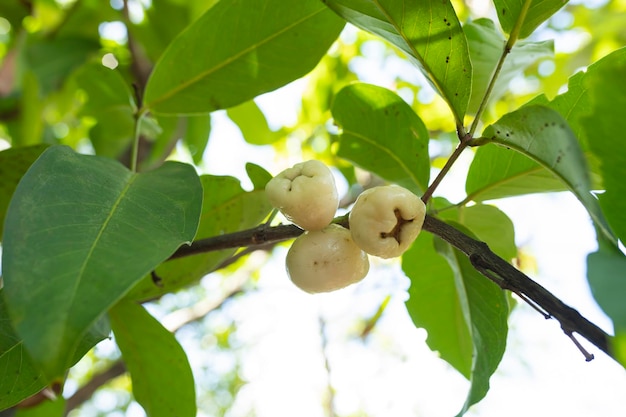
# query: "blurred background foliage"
(52, 86)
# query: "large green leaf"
(605, 272)
(429, 32)
(381, 133)
(19, 378)
(14, 162)
(486, 311)
(158, 366)
(226, 208)
(604, 127)
(237, 50)
(498, 172)
(486, 45)
(527, 17)
(543, 135)
(463, 312)
(79, 233)
(434, 304)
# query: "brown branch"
(508, 277)
(86, 391)
(482, 258)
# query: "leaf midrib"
(230, 60)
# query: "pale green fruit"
(326, 260)
(385, 220)
(306, 194)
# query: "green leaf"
(162, 379)
(486, 45)
(486, 310)
(498, 172)
(605, 272)
(434, 304)
(252, 123)
(79, 233)
(489, 224)
(429, 32)
(226, 208)
(238, 50)
(14, 162)
(258, 175)
(382, 134)
(605, 126)
(513, 13)
(197, 136)
(542, 134)
(20, 377)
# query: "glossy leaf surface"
(544, 136)
(382, 134)
(80, 231)
(498, 172)
(427, 31)
(162, 380)
(238, 50)
(513, 13)
(604, 127)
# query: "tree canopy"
(110, 215)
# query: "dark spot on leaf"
(497, 132)
(447, 59)
(503, 12)
(448, 24)
(450, 37)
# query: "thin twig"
(464, 140)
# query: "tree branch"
(482, 258)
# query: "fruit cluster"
(384, 222)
